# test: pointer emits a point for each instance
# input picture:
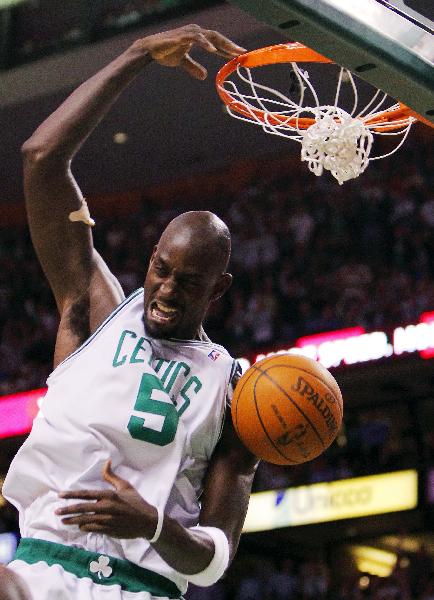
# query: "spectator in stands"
(283, 584)
(315, 580)
(427, 592)
(251, 584)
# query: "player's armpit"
(83, 313)
(228, 485)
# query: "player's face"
(179, 286)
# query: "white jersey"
(154, 407)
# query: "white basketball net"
(338, 141)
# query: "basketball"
(287, 409)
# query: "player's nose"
(168, 289)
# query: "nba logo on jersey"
(214, 355)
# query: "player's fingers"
(171, 54)
(97, 528)
(224, 45)
(86, 494)
(83, 507)
(193, 68)
(199, 39)
(115, 480)
(88, 519)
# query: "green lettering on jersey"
(179, 366)
(116, 361)
(136, 350)
(152, 399)
(158, 364)
(193, 380)
(167, 371)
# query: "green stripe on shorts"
(101, 568)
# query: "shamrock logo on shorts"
(101, 567)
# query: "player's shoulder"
(206, 353)
(205, 346)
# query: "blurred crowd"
(258, 578)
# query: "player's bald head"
(187, 272)
(204, 233)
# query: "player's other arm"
(123, 513)
(224, 505)
(228, 486)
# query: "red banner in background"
(17, 412)
(428, 318)
(354, 345)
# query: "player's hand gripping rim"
(172, 48)
(119, 513)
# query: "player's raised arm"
(81, 282)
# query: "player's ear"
(224, 282)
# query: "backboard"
(387, 43)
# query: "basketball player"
(132, 481)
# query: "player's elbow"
(33, 154)
(37, 154)
(31, 151)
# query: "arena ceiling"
(175, 125)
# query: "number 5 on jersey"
(158, 420)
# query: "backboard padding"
(379, 45)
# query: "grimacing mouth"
(163, 312)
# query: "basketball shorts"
(56, 572)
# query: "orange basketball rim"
(389, 120)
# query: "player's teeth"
(165, 309)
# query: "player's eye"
(191, 284)
(160, 269)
